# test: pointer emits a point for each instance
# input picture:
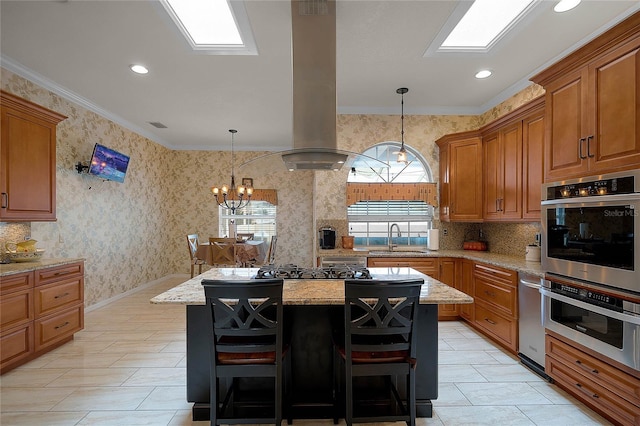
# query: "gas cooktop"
(323, 273)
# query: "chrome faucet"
(391, 245)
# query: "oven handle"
(634, 319)
(594, 199)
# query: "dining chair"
(379, 339)
(271, 255)
(223, 251)
(192, 240)
(247, 341)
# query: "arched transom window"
(372, 222)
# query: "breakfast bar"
(311, 305)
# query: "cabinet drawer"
(497, 295)
(48, 275)
(592, 394)
(16, 282)
(584, 364)
(15, 344)
(16, 309)
(51, 329)
(503, 329)
(496, 274)
(428, 266)
(51, 297)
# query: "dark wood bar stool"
(380, 319)
(247, 341)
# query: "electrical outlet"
(445, 232)
(60, 239)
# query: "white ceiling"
(81, 49)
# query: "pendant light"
(238, 199)
(402, 154)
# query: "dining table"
(247, 252)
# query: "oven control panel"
(611, 186)
(589, 296)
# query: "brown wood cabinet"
(495, 293)
(503, 173)
(593, 106)
(444, 269)
(461, 177)
(27, 160)
(513, 160)
(449, 273)
(532, 162)
(467, 311)
(39, 310)
(612, 392)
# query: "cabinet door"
(448, 275)
(510, 203)
(503, 173)
(532, 164)
(614, 141)
(566, 118)
(27, 161)
(466, 286)
(492, 176)
(465, 193)
(445, 201)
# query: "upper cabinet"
(27, 160)
(513, 164)
(461, 177)
(503, 173)
(494, 173)
(592, 106)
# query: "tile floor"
(127, 367)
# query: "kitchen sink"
(398, 252)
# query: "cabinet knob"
(5, 200)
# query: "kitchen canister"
(433, 239)
(532, 253)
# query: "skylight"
(484, 23)
(212, 25)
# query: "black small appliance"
(327, 238)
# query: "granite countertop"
(311, 292)
(19, 267)
(515, 263)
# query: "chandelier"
(402, 154)
(232, 198)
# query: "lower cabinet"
(610, 391)
(443, 269)
(39, 310)
(495, 293)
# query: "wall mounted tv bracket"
(82, 168)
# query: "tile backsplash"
(12, 233)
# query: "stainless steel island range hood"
(315, 145)
(314, 87)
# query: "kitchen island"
(312, 306)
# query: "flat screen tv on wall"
(108, 164)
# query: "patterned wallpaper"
(133, 233)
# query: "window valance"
(268, 195)
(426, 192)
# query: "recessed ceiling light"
(483, 74)
(139, 69)
(564, 5)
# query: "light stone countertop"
(18, 267)
(516, 263)
(311, 292)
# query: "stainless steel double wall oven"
(591, 259)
